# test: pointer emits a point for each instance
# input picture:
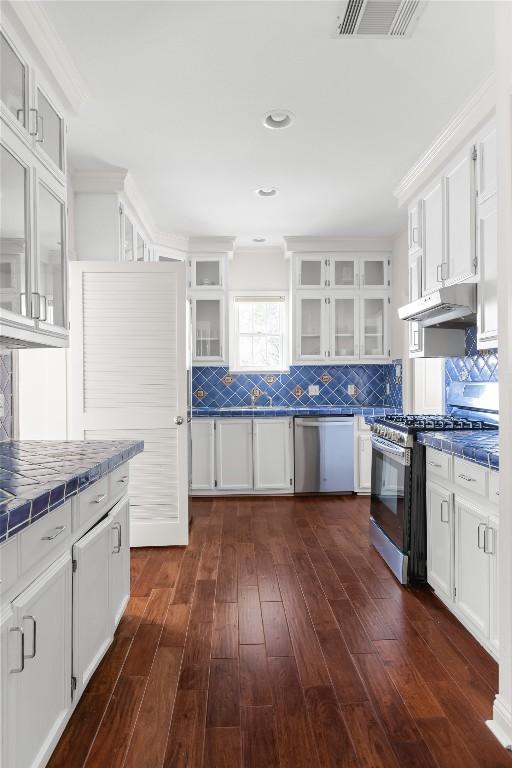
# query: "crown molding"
(103, 182)
(212, 245)
(52, 53)
(465, 122)
(294, 244)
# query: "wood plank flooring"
(278, 637)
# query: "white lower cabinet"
(245, 455)
(92, 624)
(440, 540)
(40, 666)
(57, 623)
(202, 436)
(364, 466)
(475, 557)
(119, 518)
(462, 542)
(272, 444)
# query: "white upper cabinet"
(487, 239)
(373, 271)
(312, 326)
(373, 327)
(311, 271)
(344, 270)
(208, 320)
(33, 247)
(459, 218)
(207, 272)
(415, 226)
(344, 327)
(433, 237)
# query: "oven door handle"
(391, 449)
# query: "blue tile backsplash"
(216, 387)
(474, 366)
(6, 421)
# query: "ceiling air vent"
(378, 18)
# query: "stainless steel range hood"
(454, 305)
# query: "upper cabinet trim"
(478, 109)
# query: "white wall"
(259, 269)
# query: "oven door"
(390, 490)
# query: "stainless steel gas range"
(398, 527)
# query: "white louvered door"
(128, 381)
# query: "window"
(258, 326)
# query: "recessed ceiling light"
(259, 239)
(266, 192)
(278, 118)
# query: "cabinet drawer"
(93, 501)
(46, 536)
(470, 476)
(494, 486)
(8, 563)
(439, 463)
(118, 479)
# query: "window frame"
(234, 333)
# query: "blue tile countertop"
(480, 447)
(36, 477)
(321, 410)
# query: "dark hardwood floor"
(279, 638)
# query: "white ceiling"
(178, 91)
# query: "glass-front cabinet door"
(311, 325)
(127, 234)
(141, 247)
(208, 324)
(14, 230)
(49, 299)
(207, 272)
(311, 271)
(373, 271)
(13, 82)
(373, 343)
(49, 131)
(344, 327)
(344, 270)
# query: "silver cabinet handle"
(35, 112)
(40, 129)
(415, 235)
(480, 544)
(467, 478)
(439, 274)
(31, 618)
(45, 304)
(16, 670)
(53, 535)
(117, 548)
(434, 464)
(32, 311)
(489, 532)
(178, 420)
(99, 498)
(123, 479)
(447, 519)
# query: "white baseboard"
(501, 723)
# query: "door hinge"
(73, 685)
(389, 353)
(474, 154)
(120, 209)
(74, 565)
(475, 263)
(454, 592)
(389, 262)
(215, 483)
(291, 480)
(389, 283)
(389, 300)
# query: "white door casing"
(128, 380)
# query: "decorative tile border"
(36, 477)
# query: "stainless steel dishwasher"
(324, 454)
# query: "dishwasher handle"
(324, 423)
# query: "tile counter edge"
(326, 410)
(37, 477)
(480, 448)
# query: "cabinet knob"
(178, 420)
